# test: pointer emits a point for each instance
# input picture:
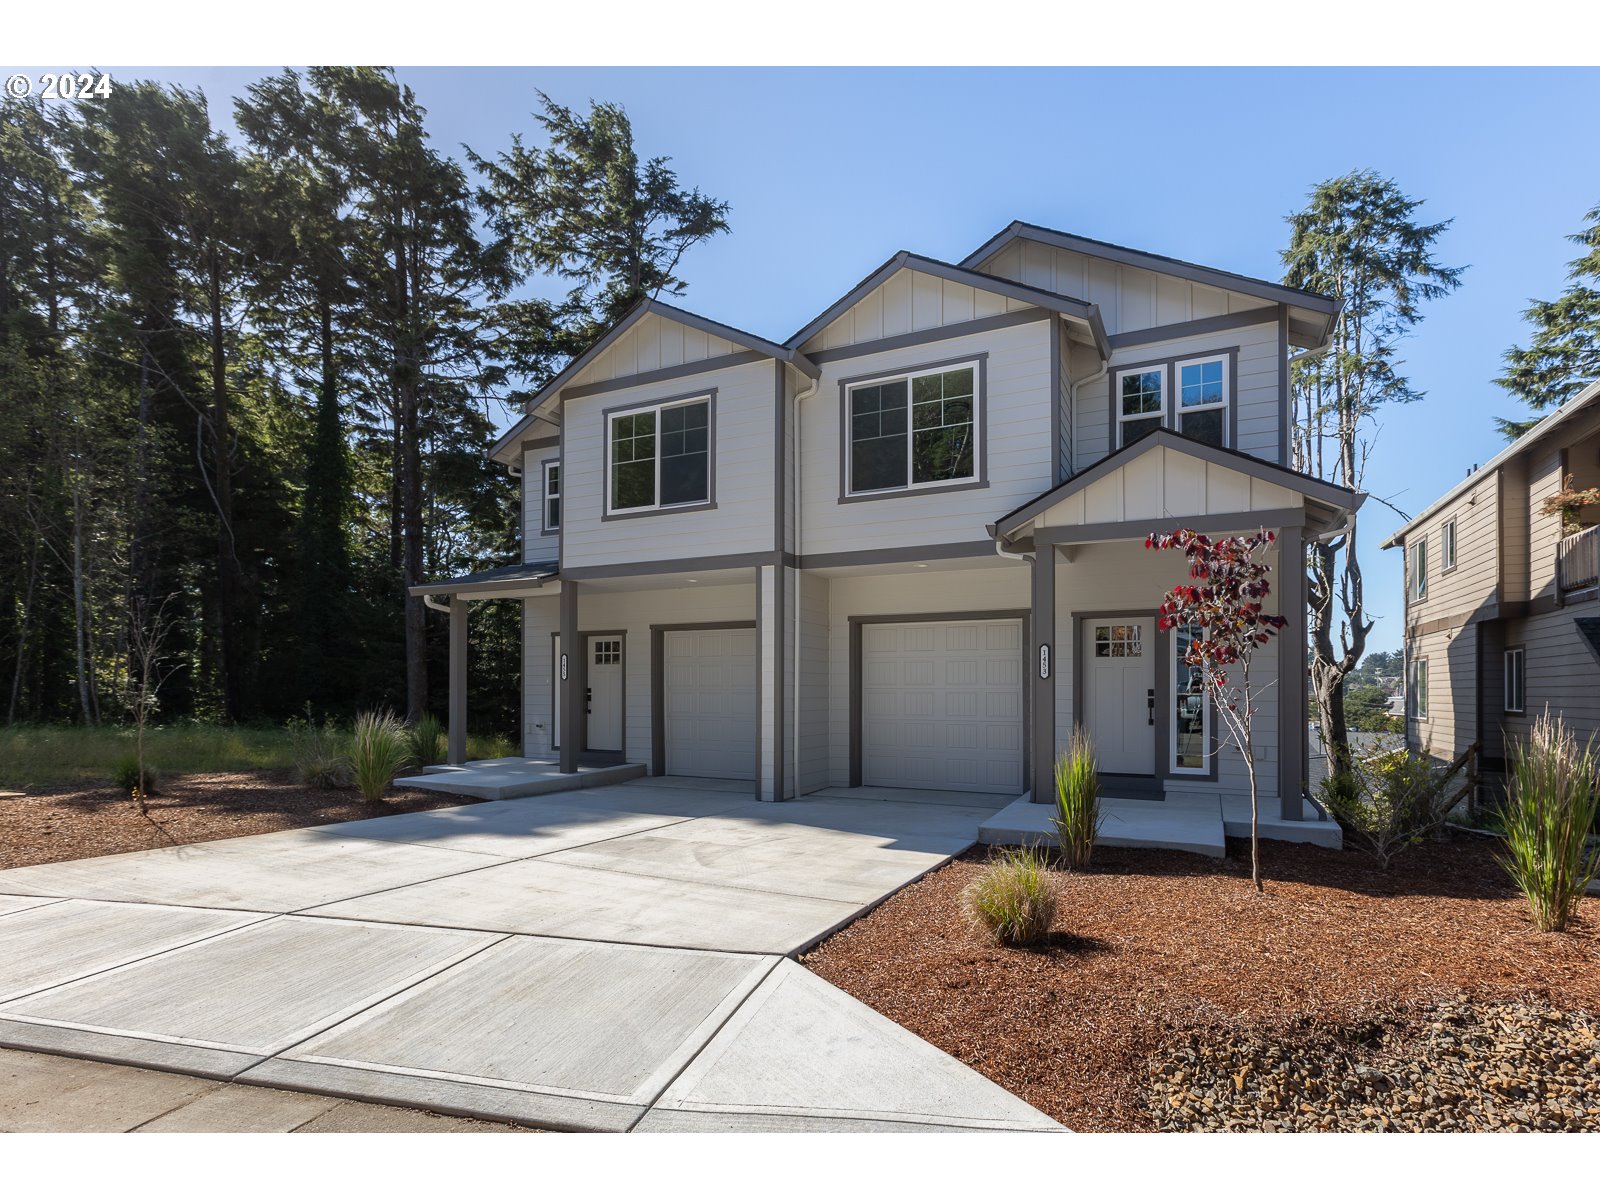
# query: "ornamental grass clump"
(378, 753)
(1014, 900)
(427, 741)
(1077, 818)
(1549, 817)
(320, 758)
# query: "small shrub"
(126, 776)
(1014, 900)
(1077, 818)
(1549, 811)
(320, 758)
(378, 753)
(490, 745)
(1388, 801)
(428, 742)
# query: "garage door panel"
(710, 702)
(942, 705)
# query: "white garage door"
(941, 706)
(710, 702)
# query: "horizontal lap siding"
(1474, 584)
(537, 546)
(1562, 672)
(1452, 720)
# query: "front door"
(1119, 681)
(605, 693)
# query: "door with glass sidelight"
(603, 702)
(1119, 684)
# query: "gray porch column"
(1041, 668)
(1292, 672)
(458, 682)
(570, 680)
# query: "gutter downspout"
(434, 604)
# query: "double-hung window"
(1419, 689)
(1447, 546)
(552, 496)
(1141, 403)
(659, 457)
(1419, 569)
(1516, 680)
(1202, 411)
(916, 430)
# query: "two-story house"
(1502, 596)
(904, 548)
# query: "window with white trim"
(1419, 569)
(659, 457)
(1417, 693)
(916, 430)
(1141, 403)
(1191, 708)
(1516, 680)
(552, 496)
(1447, 545)
(1202, 409)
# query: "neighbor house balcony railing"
(1578, 561)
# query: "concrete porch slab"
(988, 801)
(511, 778)
(1313, 830)
(801, 1055)
(1195, 828)
(222, 1005)
(565, 1035)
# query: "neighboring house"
(1502, 605)
(905, 547)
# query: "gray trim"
(1170, 390)
(1116, 531)
(780, 459)
(760, 685)
(658, 682)
(1267, 314)
(544, 496)
(669, 566)
(980, 423)
(1285, 411)
(896, 554)
(939, 333)
(543, 443)
(1110, 252)
(1292, 782)
(1056, 415)
(661, 374)
(456, 717)
(583, 726)
(561, 534)
(606, 414)
(1041, 771)
(1001, 614)
(779, 683)
(570, 686)
(1246, 464)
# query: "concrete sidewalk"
(605, 960)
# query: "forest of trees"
(253, 375)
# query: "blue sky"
(829, 171)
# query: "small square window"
(607, 653)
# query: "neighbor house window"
(552, 496)
(1419, 569)
(1516, 680)
(1419, 688)
(660, 457)
(1447, 545)
(1141, 403)
(914, 430)
(1203, 400)
(1191, 708)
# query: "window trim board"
(545, 528)
(980, 424)
(1169, 366)
(709, 395)
(1521, 651)
(1450, 523)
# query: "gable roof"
(1237, 460)
(1589, 395)
(1276, 293)
(1067, 306)
(648, 307)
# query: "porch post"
(458, 682)
(570, 680)
(1041, 668)
(1291, 672)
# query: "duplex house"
(1502, 603)
(904, 548)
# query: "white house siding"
(1130, 298)
(1124, 577)
(907, 302)
(1017, 438)
(1260, 413)
(653, 343)
(812, 691)
(1163, 486)
(537, 546)
(993, 588)
(743, 468)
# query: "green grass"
(40, 756)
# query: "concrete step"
(503, 781)
(1140, 824)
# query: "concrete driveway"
(611, 959)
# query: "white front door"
(1119, 679)
(605, 693)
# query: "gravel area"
(62, 823)
(1154, 954)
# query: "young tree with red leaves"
(1224, 610)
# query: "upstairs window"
(916, 430)
(552, 497)
(1141, 403)
(1447, 546)
(1203, 400)
(659, 457)
(1419, 569)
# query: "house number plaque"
(563, 666)
(1044, 661)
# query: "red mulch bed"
(1149, 947)
(62, 823)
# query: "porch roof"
(496, 580)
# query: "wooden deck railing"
(1578, 561)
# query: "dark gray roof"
(494, 577)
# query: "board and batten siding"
(653, 343)
(1260, 402)
(1016, 447)
(743, 475)
(1163, 485)
(910, 301)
